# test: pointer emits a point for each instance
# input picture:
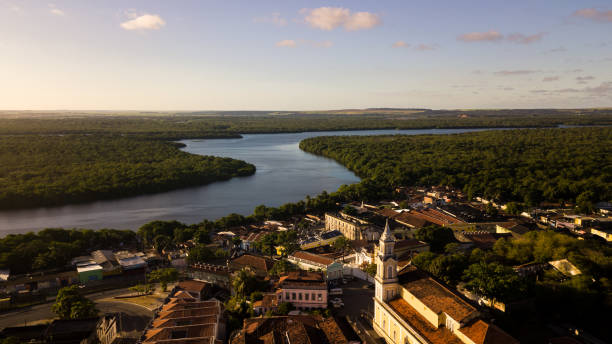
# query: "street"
(358, 298)
(38, 313)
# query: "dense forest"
(54, 248)
(529, 165)
(53, 170)
(232, 124)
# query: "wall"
(420, 307)
(303, 303)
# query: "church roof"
(435, 295)
(421, 325)
(480, 332)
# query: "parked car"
(335, 291)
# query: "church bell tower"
(386, 267)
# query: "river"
(284, 174)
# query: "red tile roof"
(193, 286)
(303, 329)
(421, 325)
(435, 295)
(312, 257)
(259, 263)
(481, 332)
(302, 278)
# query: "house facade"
(311, 261)
(304, 290)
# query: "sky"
(186, 55)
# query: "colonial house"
(196, 289)
(411, 307)
(269, 302)
(311, 261)
(351, 227)
(258, 264)
(304, 290)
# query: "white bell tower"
(386, 267)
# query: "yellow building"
(351, 227)
(606, 234)
(411, 307)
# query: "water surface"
(284, 174)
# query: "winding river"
(284, 174)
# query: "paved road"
(357, 298)
(42, 312)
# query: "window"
(320, 298)
(313, 297)
(292, 296)
(300, 296)
(306, 295)
(390, 272)
(287, 296)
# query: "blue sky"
(304, 55)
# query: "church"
(411, 307)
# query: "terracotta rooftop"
(434, 335)
(182, 295)
(258, 263)
(205, 332)
(302, 329)
(313, 257)
(409, 243)
(408, 219)
(390, 213)
(481, 332)
(437, 217)
(193, 285)
(435, 295)
(198, 320)
(302, 278)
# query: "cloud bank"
(594, 14)
(330, 18)
(496, 36)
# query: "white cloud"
(329, 18)
(275, 18)
(594, 14)
(287, 43)
(525, 39)
(550, 78)
(490, 36)
(144, 22)
(56, 11)
(362, 20)
(495, 36)
(290, 43)
(400, 44)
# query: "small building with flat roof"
(89, 272)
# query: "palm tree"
(342, 244)
(242, 282)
